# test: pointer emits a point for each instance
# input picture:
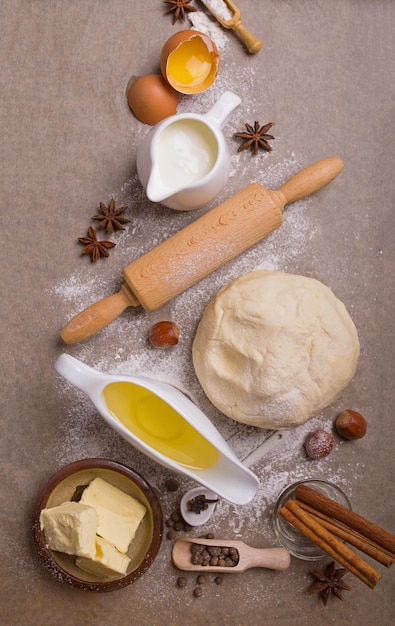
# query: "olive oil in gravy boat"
(166, 426)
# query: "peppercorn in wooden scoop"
(243, 556)
(203, 246)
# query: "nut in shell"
(351, 424)
(164, 334)
(318, 444)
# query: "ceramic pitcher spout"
(79, 374)
(156, 191)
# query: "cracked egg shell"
(189, 61)
(152, 99)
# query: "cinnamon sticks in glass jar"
(329, 524)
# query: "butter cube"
(119, 514)
(107, 561)
(71, 528)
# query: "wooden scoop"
(201, 247)
(271, 558)
(252, 43)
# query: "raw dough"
(274, 349)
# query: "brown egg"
(152, 99)
(189, 61)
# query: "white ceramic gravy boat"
(183, 162)
(185, 429)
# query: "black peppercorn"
(172, 484)
(181, 581)
(197, 592)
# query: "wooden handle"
(252, 43)
(310, 179)
(271, 558)
(97, 316)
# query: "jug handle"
(220, 113)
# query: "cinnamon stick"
(350, 536)
(352, 559)
(339, 512)
(307, 532)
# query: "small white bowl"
(198, 519)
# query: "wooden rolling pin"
(200, 248)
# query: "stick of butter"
(71, 528)
(107, 561)
(119, 514)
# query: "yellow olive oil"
(157, 424)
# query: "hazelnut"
(350, 424)
(318, 444)
(164, 334)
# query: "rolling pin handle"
(310, 179)
(98, 315)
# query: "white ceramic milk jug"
(183, 162)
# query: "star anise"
(93, 246)
(255, 137)
(110, 217)
(328, 582)
(180, 8)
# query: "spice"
(176, 524)
(328, 582)
(255, 137)
(180, 9)
(199, 503)
(94, 247)
(172, 484)
(197, 592)
(353, 520)
(212, 556)
(329, 543)
(181, 581)
(110, 217)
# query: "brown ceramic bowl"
(63, 486)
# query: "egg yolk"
(191, 63)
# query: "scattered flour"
(220, 8)
(210, 27)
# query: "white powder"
(210, 27)
(220, 8)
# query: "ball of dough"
(274, 349)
